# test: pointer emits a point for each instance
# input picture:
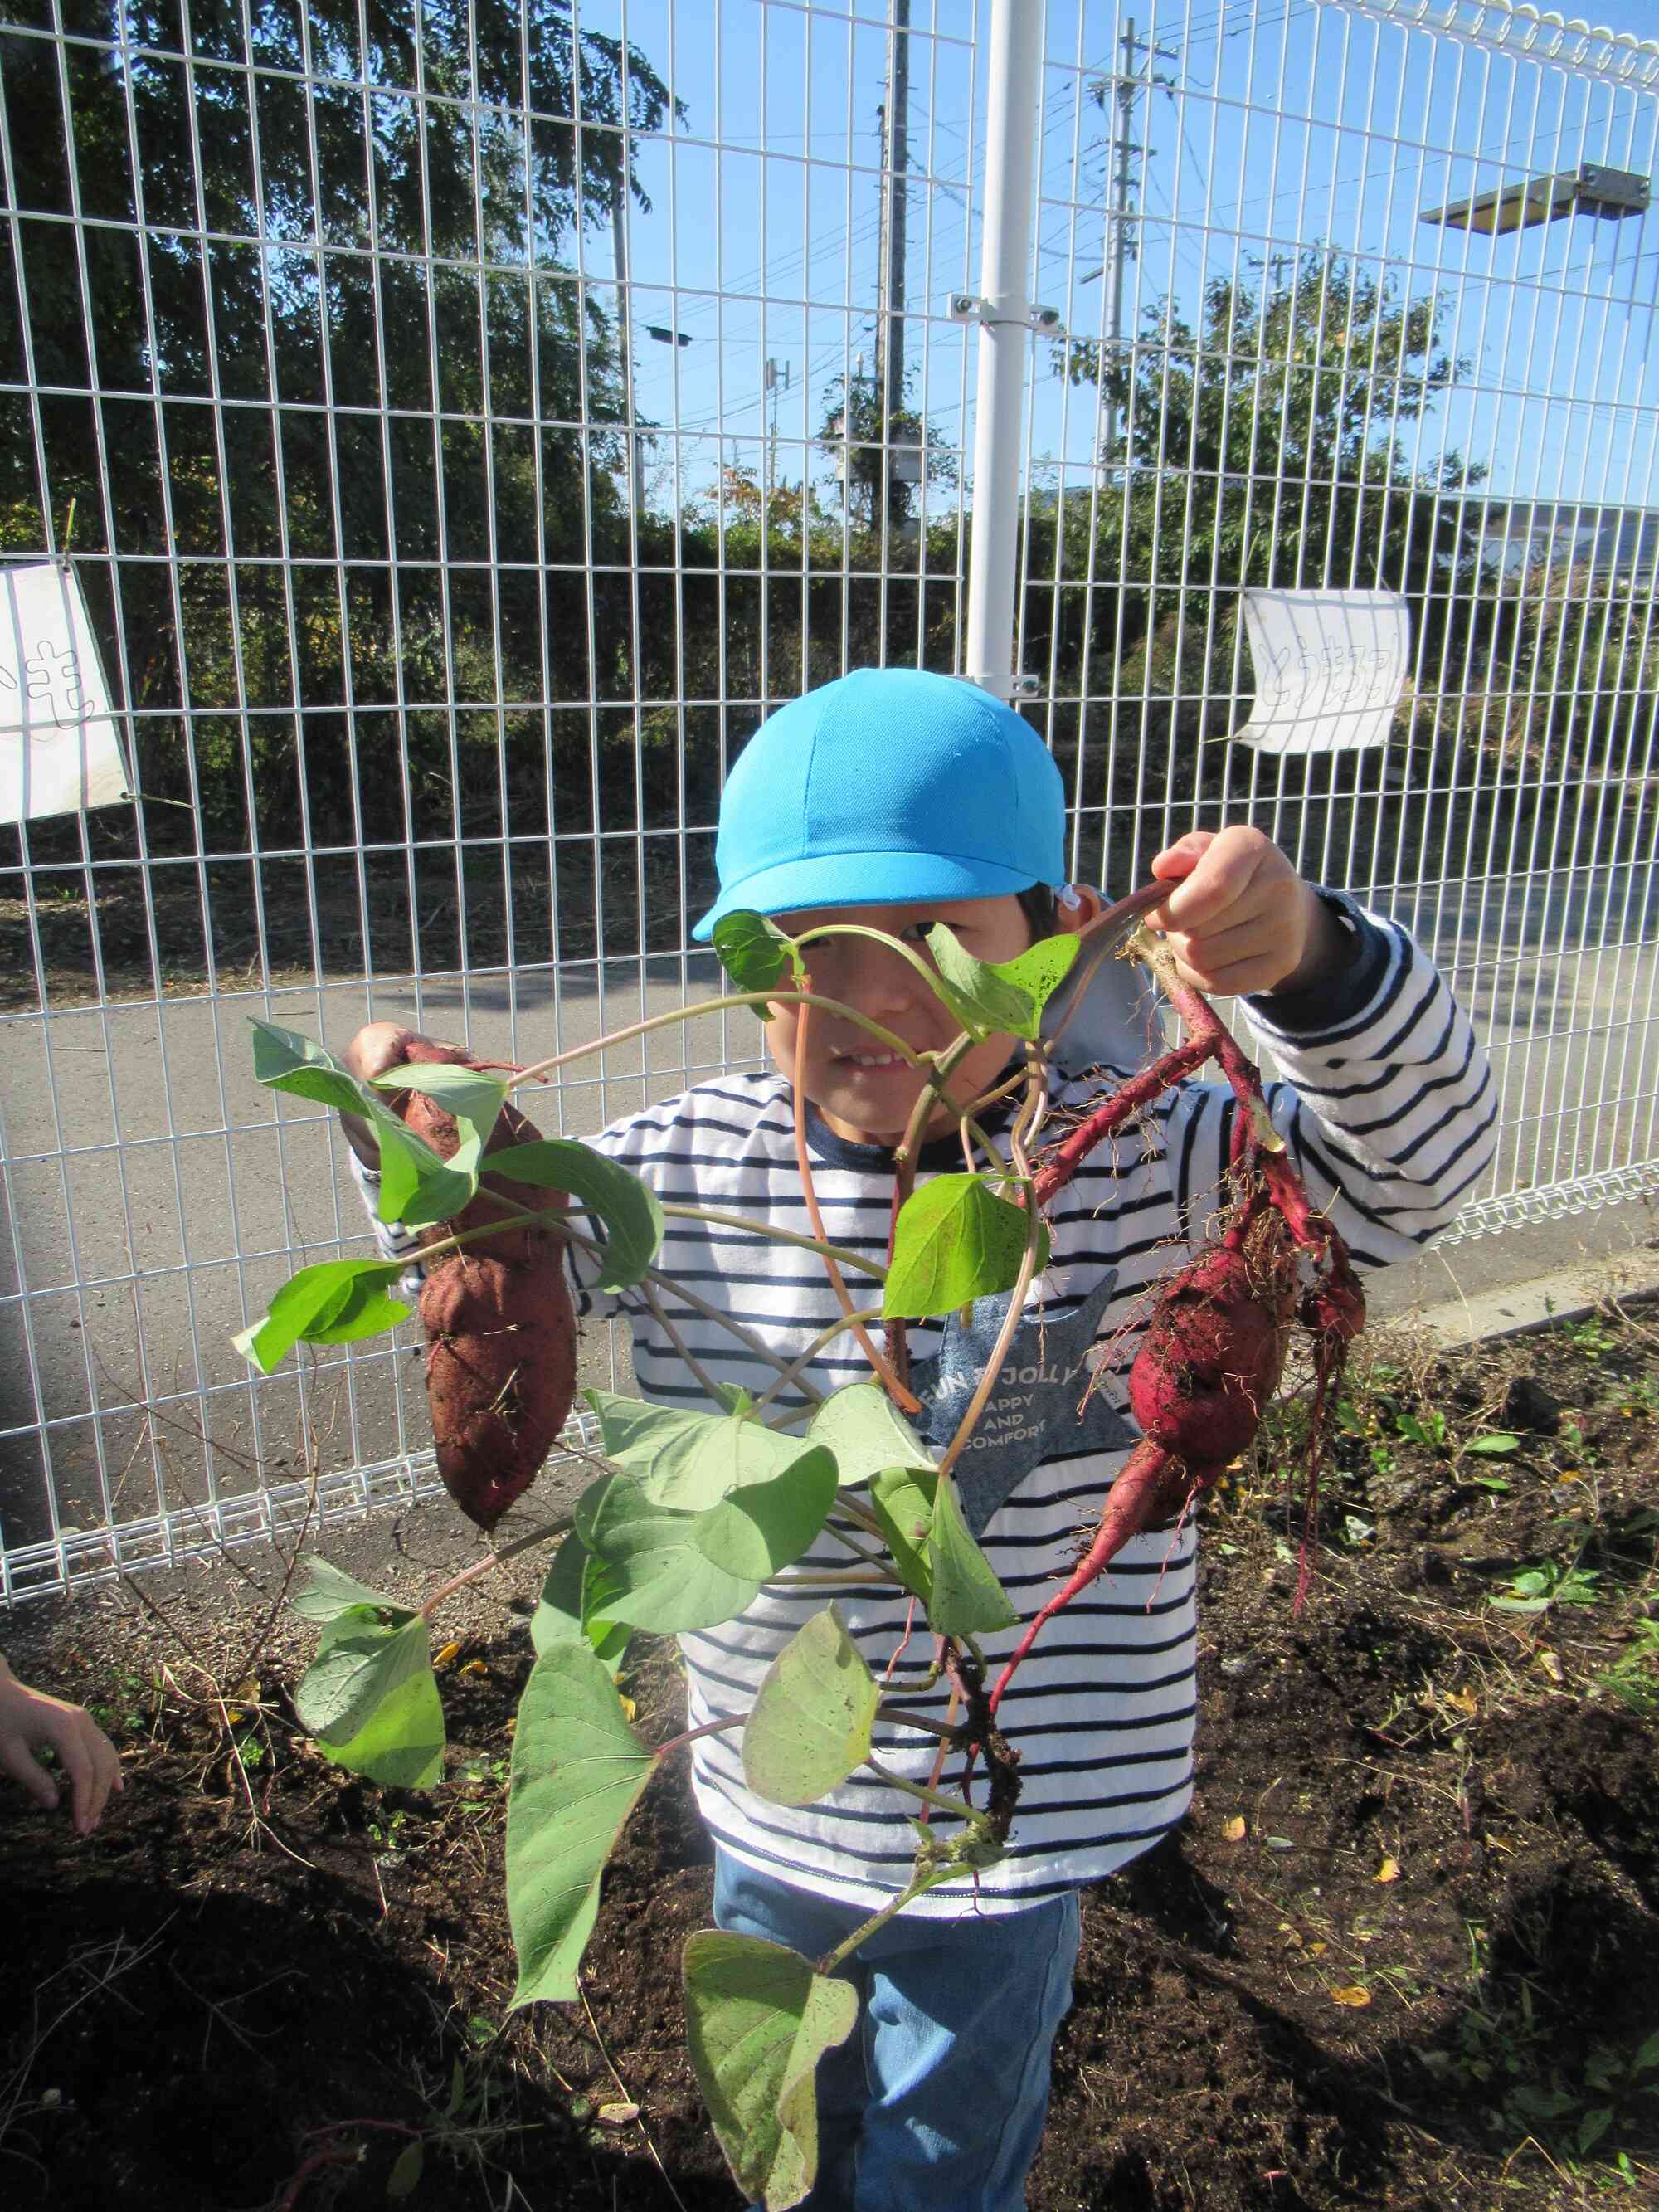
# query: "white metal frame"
(546, 678)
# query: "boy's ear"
(1070, 920)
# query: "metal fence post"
(1004, 310)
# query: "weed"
(1535, 1590)
(387, 1835)
(1506, 2055)
(1639, 1397)
(1633, 1677)
(1591, 1335)
(1427, 1428)
(1576, 1446)
(130, 1704)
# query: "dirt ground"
(1404, 1953)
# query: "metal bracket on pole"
(969, 307)
(1004, 686)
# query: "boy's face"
(862, 1092)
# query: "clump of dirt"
(1403, 1955)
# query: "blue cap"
(887, 786)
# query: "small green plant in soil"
(1633, 1678)
(128, 1704)
(1505, 2058)
(1552, 1583)
(698, 1510)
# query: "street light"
(1590, 188)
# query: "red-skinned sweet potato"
(1206, 1367)
(500, 1327)
(1213, 1351)
(500, 1372)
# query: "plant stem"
(655, 1276)
(947, 1731)
(480, 1567)
(915, 1887)
(904, 1178)
(929, 976)
(708, 1728)
(832, 1578)
(957, 1807)
(660, 1315)
(542, 1068)
(871, 1558)
(751, 1342)
(1012, 1319)
(895, 1390)
(825, 1336)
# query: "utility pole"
(777, 379)
(895, 161)
(625, 340)
(1128, 83)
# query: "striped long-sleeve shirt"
(1387, 1107)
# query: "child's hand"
(30, 1720)
(1242, 920)
(376, 1047)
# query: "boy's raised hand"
(377, 1046)
(1240, 918)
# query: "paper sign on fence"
(58, 749)
(1330, 668)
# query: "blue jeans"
(935, 2102)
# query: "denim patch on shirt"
(1033, 1413)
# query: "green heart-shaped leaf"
(902, 1499)
(935, 1553)
(630, 1211)
(754, 951)
(955, 1241)
(689, 1460)
(333, 1302)
(471, 1095)
(758, 2019)
(416, 1186)
(810, 1725)
(669, 1571)
(578, 1769)
(867, 1432)
(1001, 998)
(565, 1604)
(328, 1590)
(369, 1697)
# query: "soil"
(1403, 1954)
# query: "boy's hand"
(1242, 920)
(32, 1721)
(376, 1047)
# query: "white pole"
(1004, 337)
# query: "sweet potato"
(429, 1120)
(1213, 1351)
(500, 1372)
(500, 1329)
(1208, 1363)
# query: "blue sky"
(1274, 125)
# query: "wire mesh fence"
(466, 422)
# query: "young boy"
(900, 799)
